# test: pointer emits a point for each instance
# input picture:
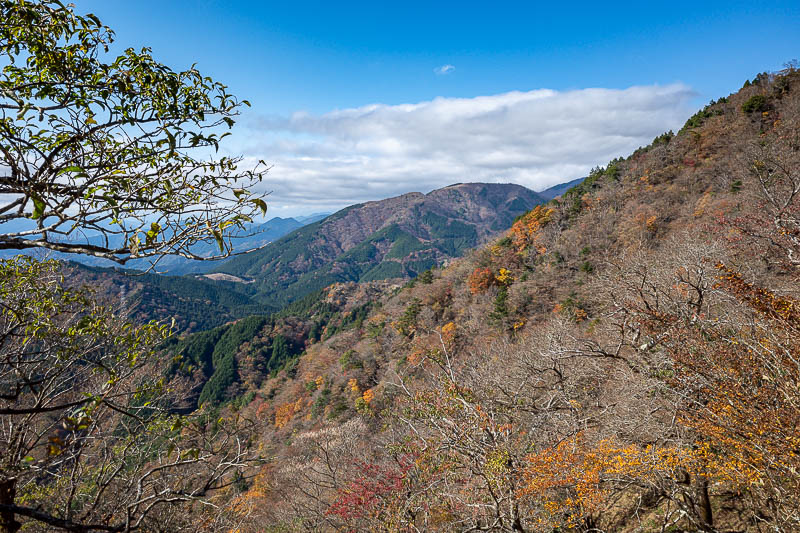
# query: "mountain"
(393, 238)
(558, 190)
(310, 219)
(253, 237)
(623, 358)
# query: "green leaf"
(72, 168)
(152, 235)
(261, 205)
(171, 139)
(38, 207)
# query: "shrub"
(349, 360)
(480, 280)
(406, 325)
(500, 304)
(321, 402)
(426, 277)
(755, 103)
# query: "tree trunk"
(704, 504)
(8, 492)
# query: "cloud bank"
(536, 139)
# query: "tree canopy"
(111, 156)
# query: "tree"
(110, 158)
(87, 441)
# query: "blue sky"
(348, 104)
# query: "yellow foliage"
(504, 277)
(449, 333)
(702, 204)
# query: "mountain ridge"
(396, 237)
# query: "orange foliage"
(480, 280)
(650, 223)
(573, 479)
(285, 412)
(525, 231)
(747, 378)
(368, 396)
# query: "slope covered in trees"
(230, 362)
(623, 359)
(193, 303)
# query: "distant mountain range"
(393, 238)
(310, 219)
(251, 237)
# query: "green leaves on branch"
(38, 207)
(122, 139)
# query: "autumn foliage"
(610, 364)
(372, 490)
(480, 280)
(524, 232)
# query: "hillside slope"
(393, 238)
(623, 359)
(195, 304)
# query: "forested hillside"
(230, 362)
(622, 359)
(394, 238)
(194, 304)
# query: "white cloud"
(537, 139)
(444, 69)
